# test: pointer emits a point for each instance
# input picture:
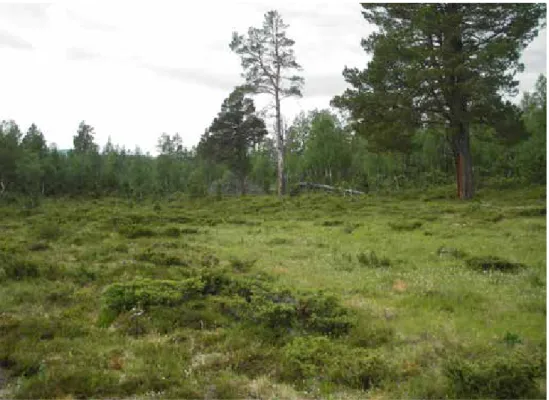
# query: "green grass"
(409, 296)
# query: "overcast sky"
(136, 69)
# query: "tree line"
(429, 103)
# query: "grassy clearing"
(306, 297)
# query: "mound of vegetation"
(250, 300)
(494, 263)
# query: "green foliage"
(135, 231)
(266, 56)
(241, 265)
(39, 246)
(405, 225)
(159, 258)
(172, 231)
(494, 263)
(501, 377)
(50, 231)
(12, 267)
(144, 293)
(222, 327)
(83, 141)
(425, 62)
(232, 133)
(309, 359)
(370, 259)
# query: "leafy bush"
(510, 377)
(135, 231)
(317, 358)
(494, 263)
(38, 246)
(120, 297)
(172, 231)
(370, 259)
(241, 265)
(370, 333)
(190, 231)
(15, 268)
(50, 231)
(405, 226)
(158, 258)
(332, 223)
(450, 251)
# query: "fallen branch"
(308, 185)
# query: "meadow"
(410, 295)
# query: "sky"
(134, 70)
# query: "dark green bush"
(135, 231)
(190, 231)
(63, 382)
(158, 258)
(50, 231)
(172, 231)
(120, 297)
(370, 259)
(39, 246)
(16, 268)
(494, 263)
(533, 212)
(502, 377)
(405, 226)
(370, 333)
(317, 358)
(332, 223)
(450, 252)
(241, 265)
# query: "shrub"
(405, 226)
(323, 314)
(241, 265)
(172, 231)
(450, 251)
(120, 297)
(160, 258)
(307, 357)
(370, 259)
(369, 333)
(190, 231)
(332, 223)
(51, 231)
(135, 231)
(15, 268)
(510, 377)
(314, 357)
(68, 382)
(533, 212)
(349, 228)
(209, 260)
(121, 248)
(39, 246)
(279, 241)
(494, 263)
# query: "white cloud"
(135, 70)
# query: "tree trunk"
(279, 148)
(457, 101)
(464, 163)
(242, 185)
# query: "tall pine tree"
(446, 64)
(267, 56)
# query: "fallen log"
(327, 188)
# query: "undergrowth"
(312, 296)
